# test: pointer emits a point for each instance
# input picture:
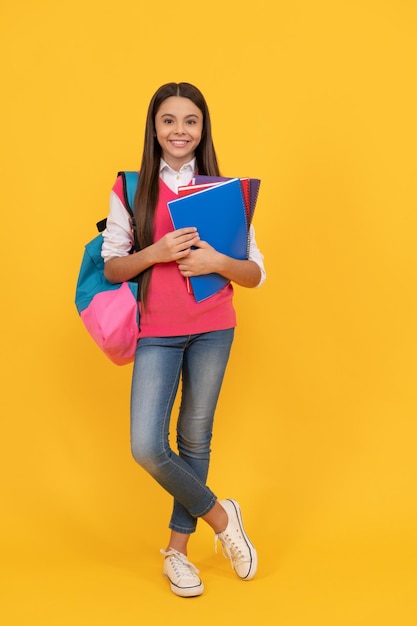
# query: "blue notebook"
(219, 215)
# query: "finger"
(200, 243)
(189, 230)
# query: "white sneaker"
(182, 574)
(236, 544)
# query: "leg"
(205, 361)
(179, 541)
(155, 381)
(216, 518)
(154, 386)
(203, 370)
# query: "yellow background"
(316, 426)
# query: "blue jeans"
(160, 362)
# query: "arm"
(243, 273)
(171, 247)
(118, 240)
(205, 259)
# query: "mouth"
(178, 144)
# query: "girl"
(179, 338)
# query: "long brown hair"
(146, 197)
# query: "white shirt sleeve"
(256, 255)
(118, 236)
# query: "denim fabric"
(160, 363)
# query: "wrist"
(221, 263)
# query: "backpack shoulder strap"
(129, 186)
(125, 188)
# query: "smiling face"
(178, 125)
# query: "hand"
(204, 259)
(175, 245)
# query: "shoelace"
(230, 549)
(180, 563)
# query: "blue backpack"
(110, 311)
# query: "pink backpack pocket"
(112, 318)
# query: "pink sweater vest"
(170, 309)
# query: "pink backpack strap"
(118, 189)
(125, 188)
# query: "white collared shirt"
(174, 179)
(117, 238)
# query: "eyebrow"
(186, 117)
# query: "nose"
(179, 129)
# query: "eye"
(168, 121)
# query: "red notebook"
(250, 188)
(244, 182)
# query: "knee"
(140, 454)
(196, 449)
(146, 456)
(194, 436)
